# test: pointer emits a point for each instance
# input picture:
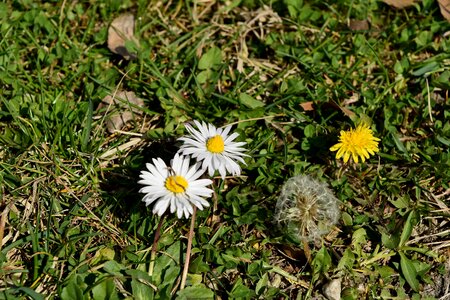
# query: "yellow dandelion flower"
(358, 142)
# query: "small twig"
(155, 246)
(128, 133)
(188, 250)
(447, 192)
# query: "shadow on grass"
(121, 189)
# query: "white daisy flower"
(176, 186)
(214, 147)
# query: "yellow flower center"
(176, 184)
(215, 144)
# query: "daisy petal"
(175, 191)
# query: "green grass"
(75, 224)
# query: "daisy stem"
(188, 250)
(155, 246)
(215, 200)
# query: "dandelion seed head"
(306, 209)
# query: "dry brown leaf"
(292, 253)
(356, 25)
(347, 112)
(344, 110)
(444, 5)
(307, 106)
(120, 31)
(353, 99)
(120, 109)
(399, 3)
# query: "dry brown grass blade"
(3, 217)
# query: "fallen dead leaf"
(120, 31)
(444, 5)
(344, 110)
(292, 253)
(353, 99)
(356, 25)
(347, 112)
(307, 106)
(120, 109)
(399, 3)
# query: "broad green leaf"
(262, 284)
(241, 291)
(204, 76)
(9, 294)
(400, 202)
(429, 67)
(421, 267)
(195, 279)
(443, 81)
(411, 221)
(72, 292)
(423, 38)
(322, 260)
(105, 290)
(347, 260)
(385, 271)
(113, 267)
(400, 145)
(141, 291)
(443, 140)
(398, 68)
(409, 271)
(347, 219)
(310, 130)
(138, 274)
(195, 292)
(249, 101)
(99, 291)
(359, 236)
(389, 240)
(198, 265)
(169, 258)
(321, 263)
(211, 59)
(103, 254)
(294, 7)
(171, 274)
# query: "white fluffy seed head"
(306, 209)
